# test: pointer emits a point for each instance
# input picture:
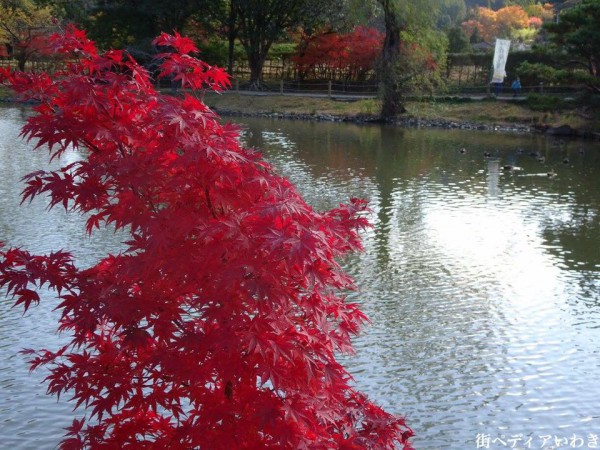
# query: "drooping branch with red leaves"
(218, 326)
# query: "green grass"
(485, 112)
(495, 112)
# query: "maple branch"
(89, 145)
(209, 203)
(173, 320)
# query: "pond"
(481, 284)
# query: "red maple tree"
(217, 326)
(353, 54)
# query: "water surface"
(482, 285)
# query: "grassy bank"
(488, 112)
(5, 93)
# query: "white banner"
(500, 56)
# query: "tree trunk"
(231, 35)
(392, 101)
(256, 61)
(21, 60)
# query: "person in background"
(516, 87)
(498, 88)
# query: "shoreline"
(496, 115)
(407, 121)
(416, 122)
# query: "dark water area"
(481, 284)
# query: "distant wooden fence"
(371, 90)
(465, 81)
(285, 69)
(31, 66)
(313, 87)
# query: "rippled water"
(30, 420)
(482, 285)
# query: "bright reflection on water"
(481, 285)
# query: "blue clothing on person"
(516, 87)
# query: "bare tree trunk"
(392, 101)
(21, 60)
(231, 35)
(256, 62)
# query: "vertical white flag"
(500, 56)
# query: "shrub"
(538, 102)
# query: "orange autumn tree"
(511, 18)
(489, 23)
(502, 23)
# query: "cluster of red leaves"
(217, 327)
(355, 51)
(535, 22)
(33, 43)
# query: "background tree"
(349, 56)
(24, 26)
(510, 22)
(263, 22)
(473, 29)
(357, 13)
(232, 33)
(458, 42)
(451, 13)
(411, 18)
(134, 23)
(576, 38)
(511, 18)
(71, 11)
(486, 3)
(544, 11)
(536, 73)
(425, 54)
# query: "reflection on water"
(481, 283)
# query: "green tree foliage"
(535, 73)
(452, 12)
(73, 11)
(571, 55)
(423, 59)
(359, 12)
(577, 39)
(485, 3)
(458, 42)
(123, 23)
(414, 18)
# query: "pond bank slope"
(491, 115)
